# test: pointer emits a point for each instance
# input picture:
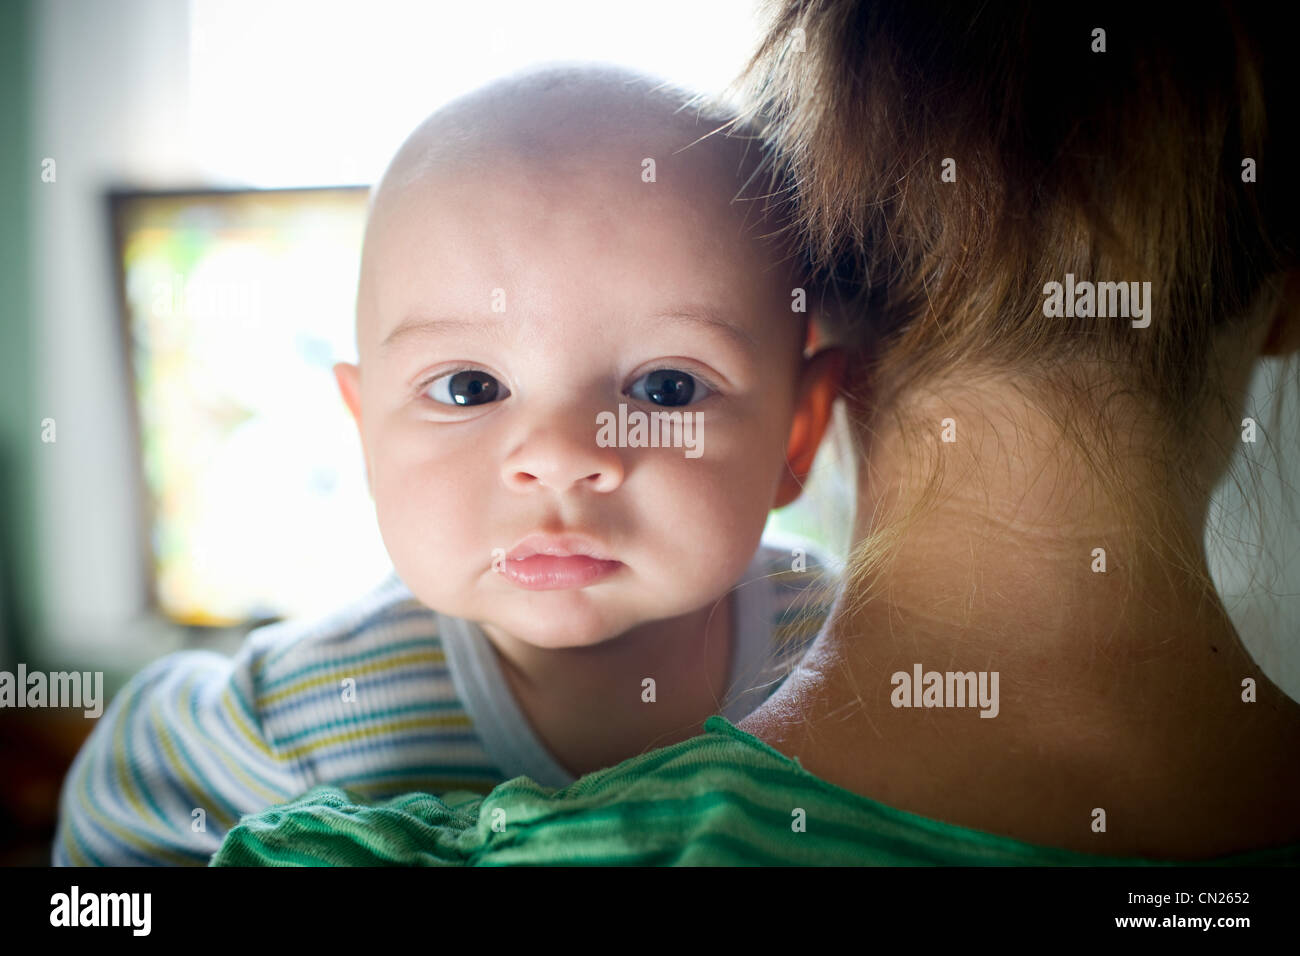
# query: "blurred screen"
(237, 304)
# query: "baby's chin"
(556, 620)
(567, 618)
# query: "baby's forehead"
(587, 121)
(561, 141)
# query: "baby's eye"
(469, 387)
(668, 386)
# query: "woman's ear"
(1284, 331)
(349, 382)
(818, 387)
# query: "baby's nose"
(561, 461)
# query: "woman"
(1038, 452)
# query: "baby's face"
(506, 308)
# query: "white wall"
(111, 108)
(1254, 535)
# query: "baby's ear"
(818, 387)
(349, 381)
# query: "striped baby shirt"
(382, 698)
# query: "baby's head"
(538, 254)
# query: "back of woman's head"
(955, 158)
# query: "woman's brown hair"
(1111, 142)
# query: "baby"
(581, 387)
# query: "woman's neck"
(1091, 609)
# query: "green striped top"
(722, 798)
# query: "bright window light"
(323, 93)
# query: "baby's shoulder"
(384, 631)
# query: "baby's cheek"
(708, 515)
(740, 467)
(430, 519)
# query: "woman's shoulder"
(1189, 795)
(727, 797)
(723, 797)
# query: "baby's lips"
(548, 572)
(561, 545)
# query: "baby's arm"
(362, 698)
(179, 755)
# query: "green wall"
(19, 419)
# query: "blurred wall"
(1253, 539)
(110, 107)
(18, 425)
